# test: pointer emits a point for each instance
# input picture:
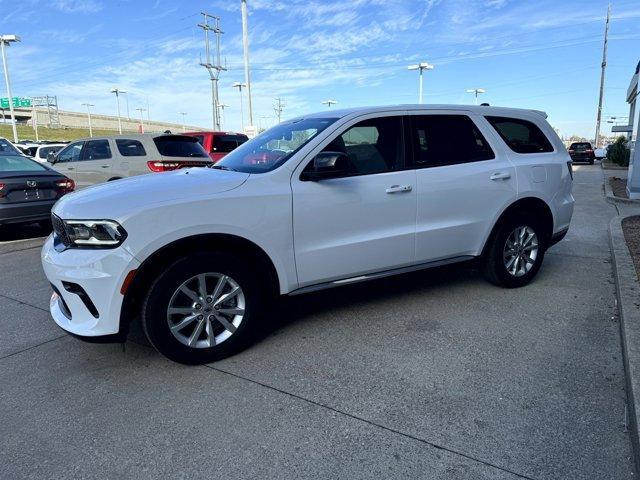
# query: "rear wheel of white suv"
(202, 308)
(516, 250)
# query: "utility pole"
(245, 48)
(141, 122)
(89, 105)
(240, 86)
(5, 41)
(214, 70)
(117, 91)
(221, 107)
(278, 108)
(604, 68)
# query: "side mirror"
(52, 158)
(327, 165)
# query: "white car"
(320, 201)
(42, 151)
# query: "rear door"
(68, 160)
(463, 181)
(95, 163)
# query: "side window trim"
(412, 126)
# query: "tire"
(496, 257)
(216, 339)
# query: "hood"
(118, 199)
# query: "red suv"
(218, 144)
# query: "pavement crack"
(32, 347)
(24, 303)
(372, 423)
(19, 250)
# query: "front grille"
(60, 230)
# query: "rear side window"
(96, 150)
(447, 140)
(179, 146)
(130, 148)
(227, 143)
(520, 135)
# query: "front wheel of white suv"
(516, 250)
(202, 308)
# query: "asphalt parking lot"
(430, 375)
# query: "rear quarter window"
(179, 146)
(520, 135)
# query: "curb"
(611, 166)
(611, 198)
(628, 300)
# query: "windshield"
(272, 148)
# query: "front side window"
(44, 151)
(274, 147)
(96, 150)
(440, 140)
(71, 153)
(130, 148)
(520, 135)
(372, 146)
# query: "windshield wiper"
(223, 167)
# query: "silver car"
(102, 159)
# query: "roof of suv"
(479, 109)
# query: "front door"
(67, 160)
(364, 221)
(95, 163)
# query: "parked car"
(28, 189)
(601, 152)
(582, 152)
(218, 144)
(41, 152)
(102, 159)
(336, 198)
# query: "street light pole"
(221, 107)
(328, 103)
(141, 120)
(240, 86)
(117, 91)
(89, 105)
(420, 67)
(245, 48)
(476, 91)
(5, 40)
(184, 129)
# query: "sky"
(542, 54)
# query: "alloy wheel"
(520, 251)
(206, 310)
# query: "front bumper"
(100, 273)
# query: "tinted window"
(521, 136)
(447, 140)
(272, 148)
(96, 150)
(199, 137)
(130, 148)
(580, 146)
(179, 146)
(44, 151)
(6, 148)
(373, 146)
(227, 143)
(17, 163)
(70, 153)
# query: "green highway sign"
(18, 102)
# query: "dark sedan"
(28, 189)
(582, 152)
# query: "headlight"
(89, 233)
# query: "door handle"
(71, 168)
(104, 166)
(500, 176)
(399, 188)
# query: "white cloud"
(77, 6)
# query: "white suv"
(320, 201)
